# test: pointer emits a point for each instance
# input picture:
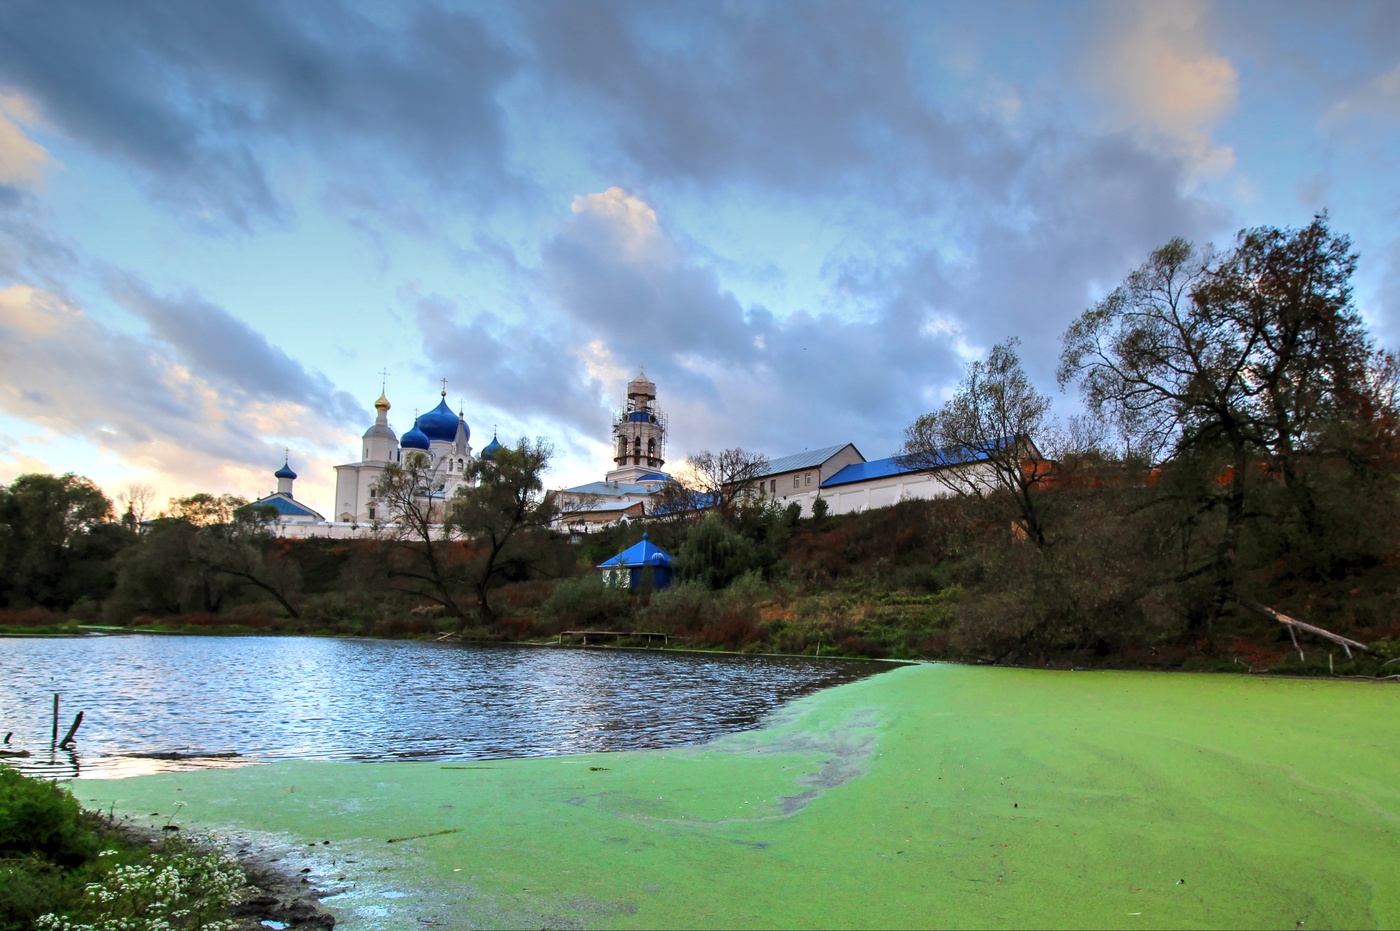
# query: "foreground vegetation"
(66, 869)
(1242, 451)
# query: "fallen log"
(1295, 624)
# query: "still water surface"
(268, 698)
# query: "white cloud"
(22, 160)
(1377, 99)
(1156, 64)
(127, 399)
(630, 219)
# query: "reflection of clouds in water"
(285, 697)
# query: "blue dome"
(641, 417)
(284, 472)
(414, 438)
(490, 450)
(440, 423)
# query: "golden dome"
(382, 404)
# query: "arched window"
(651, 448)
(461, 465)
(637, 451)
(622, 447)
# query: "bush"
(584, 601)
(62, 870)
(39, 818)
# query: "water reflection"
(197, 700)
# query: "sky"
(224, 226)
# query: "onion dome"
(415, 438)
(285, 471)
(382, 404)
(439, 423)
(381, 430)
(490, 451)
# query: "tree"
(980, 443)
(206, 510)
(724, 481)
(714, 553)
(135, 504)
(56, 541)
(1219, 361)
(500, 504)
(429, 562)
(1286, 294)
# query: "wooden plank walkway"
(585, 634)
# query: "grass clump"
(66, 869)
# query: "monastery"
(840, 475)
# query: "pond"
(164, 702)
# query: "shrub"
(39, 818)
(584, 601)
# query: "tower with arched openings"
(638, 434)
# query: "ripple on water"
(267, 698)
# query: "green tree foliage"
(993, 417)
(180, 566)
(715, 554)
(57, 541)
(503, 510)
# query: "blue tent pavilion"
(628, 567)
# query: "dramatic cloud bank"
(219, 224)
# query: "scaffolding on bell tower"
(639, 428)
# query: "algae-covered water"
(931, 796)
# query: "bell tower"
(639, 433)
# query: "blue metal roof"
(641, 417)
(607, 489)
(286, 507)
(900, 465)
(644, 553)
(491, 448)
(803, 460)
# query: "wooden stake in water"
(53, 741)
(67, 740)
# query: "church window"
(773, 486)
(622, 446)
(373, 492)
(807, 479)
(797, 481)
(371, 513)
(461, 466)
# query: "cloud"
(208, 339)
(1157, 65)
(626, 293)
(198, 101)
(134, 399)
(1377, 99)
(22, 160)
(798, 99)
